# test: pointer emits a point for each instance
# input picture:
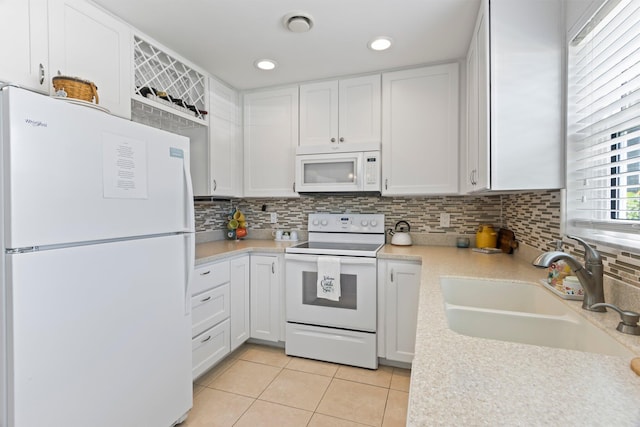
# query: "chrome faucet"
(590, 276)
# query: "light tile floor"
(261, 386)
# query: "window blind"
(603, 126)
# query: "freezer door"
(77, 174)
(98, 335)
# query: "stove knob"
(315, 222)
(364, 222)
(324, 222)
(373, 223)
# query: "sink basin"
(500, 295)
(523, 313)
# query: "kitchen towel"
(329, 278)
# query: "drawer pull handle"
(206, 339)
(205, 299)
(205, 273)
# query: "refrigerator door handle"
(190, 263)
(188, 198)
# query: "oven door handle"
(345, 260)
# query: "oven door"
(356, 308)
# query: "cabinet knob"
(341, 139)
(392, 275)
(205, 299)
(215, 185)
(273, 268)
(204, 273)
(386, 183)
(333, 140)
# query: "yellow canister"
(486, 237)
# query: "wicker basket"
(76, 88)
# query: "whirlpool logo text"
(35, 123)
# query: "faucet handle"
(590, 254)
(630, 319)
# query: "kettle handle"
(403, 221)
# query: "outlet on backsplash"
(445, 219)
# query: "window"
(603, 127)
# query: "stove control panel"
(347, 223)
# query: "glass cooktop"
(335, 248)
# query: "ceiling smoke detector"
(298, 22)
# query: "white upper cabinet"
(514, 116)
(476, 174)
(225, 146)
(88, 43)
(270, 140)
(24, 32)
(216, 151)
(340, 112)
(420, 131)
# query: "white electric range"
(324, 322)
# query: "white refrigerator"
(98, 247)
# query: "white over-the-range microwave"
(349, 170)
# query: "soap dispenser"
(559, 269)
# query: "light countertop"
(219, 249)
(461, 380)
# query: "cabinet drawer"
(209, 308)
(209, 348)
(209, 276)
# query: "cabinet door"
(270, 140)
(209, 348)
(265, 298)
(402, 293)
(209, 276)
(240, 326)
(527, 147)
(225, 151)
(481, 177)
(86, 42)
(470, 172)
(359, 110)
(477, 170)
(209, 308)
(319, 113)
(25, 44)
(420, 131)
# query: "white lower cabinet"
(210, 312)
(239, 287)
(209, 308)
(267, 319)
(398, 293)
(209, 348)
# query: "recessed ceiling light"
(380, 43)
(265, 64)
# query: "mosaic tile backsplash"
(423, 214)
(533, 216)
